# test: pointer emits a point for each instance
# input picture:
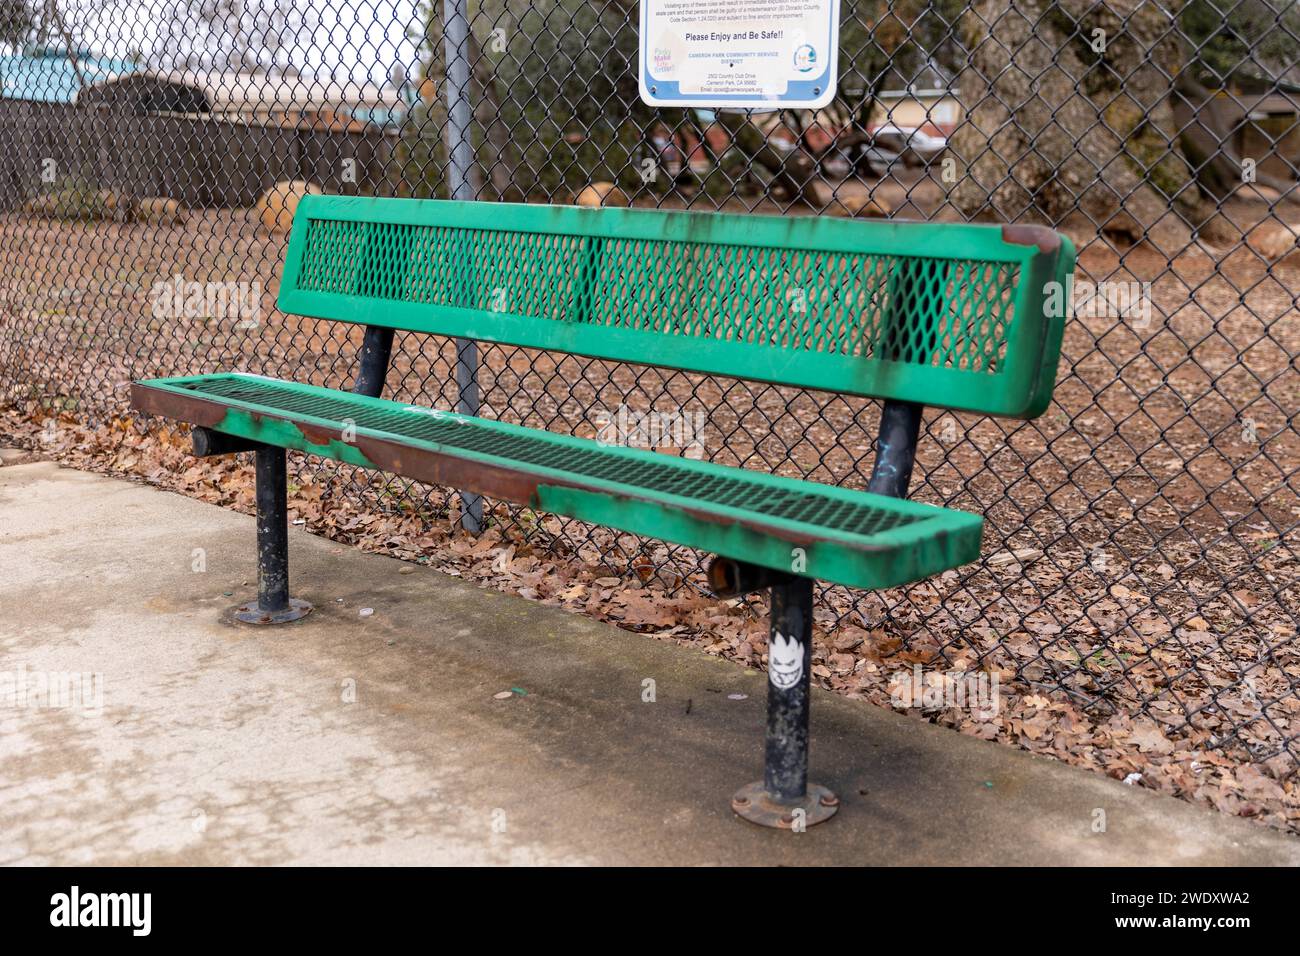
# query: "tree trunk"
(1054, 126)
(1208, 123)
(792, 173)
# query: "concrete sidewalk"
(350, 739)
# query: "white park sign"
(764, 54)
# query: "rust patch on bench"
(436, 467)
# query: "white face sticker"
(785, 662)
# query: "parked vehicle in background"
(887, 144)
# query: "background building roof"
(243, 93)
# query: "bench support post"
(784, 799)
(900, 426)
(373, 360)
(273, 605)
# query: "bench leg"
(784, 798)
(273, 606)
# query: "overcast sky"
(357, 38)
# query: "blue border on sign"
(668, 92)
(800, 90)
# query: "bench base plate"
(250, 613)
(755, 804)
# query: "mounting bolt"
(753, 803)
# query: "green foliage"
(565, 74)
(1242, 39)
(17, 21)
(896, 42)
(75, 198)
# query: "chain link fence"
(1140, 550)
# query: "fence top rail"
(955, 315)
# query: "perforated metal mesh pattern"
(727, 487)
(942, 313)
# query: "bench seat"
(846, 536)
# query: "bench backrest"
(951, 315)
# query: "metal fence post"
(460, 160)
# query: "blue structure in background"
(49, 75)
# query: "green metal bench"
(956, 316)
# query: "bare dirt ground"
(1138, 595)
